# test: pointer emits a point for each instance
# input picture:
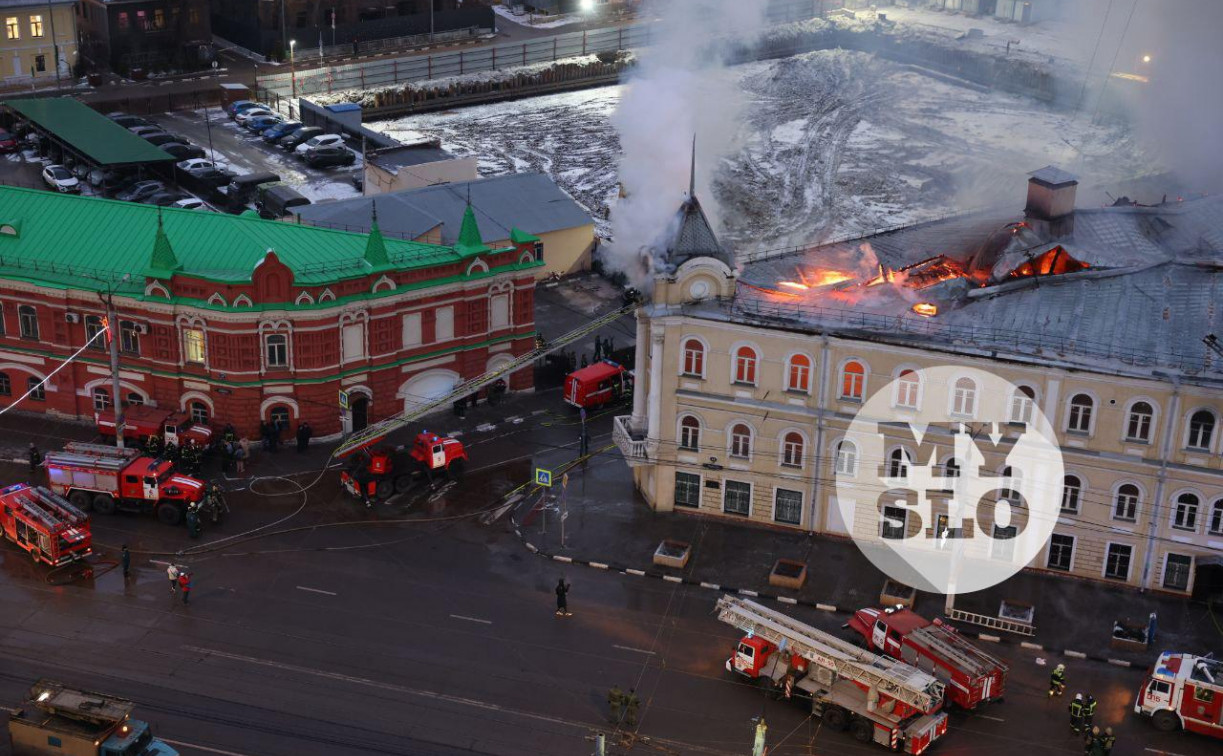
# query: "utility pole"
(284, 37)
(431, 4)
(54, 43)
(112, 324)
(564, 514)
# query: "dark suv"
(325, 157)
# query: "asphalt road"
(437, 636)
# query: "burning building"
(749, 375)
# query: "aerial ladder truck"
(877, 699)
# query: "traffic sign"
(343, 399)
(543, 477)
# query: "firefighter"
(1057, 681)
(193, 521)
(1089, 711)
(35, 457)
(1076, 713)
(1091, 743)
(1107, 741)
(152, 446)
(231, 435)
(615, 700)
(631, 703)
(171, 452)
(125, 559)
(191, 457)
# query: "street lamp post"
(292, 69)
(112, 336)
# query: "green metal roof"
(469, 241)
(92, 134)
(86, 242)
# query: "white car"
(250, 113)
(191, 203)
(145, 130)
(322, 140)
(61, 179)
(191, 165)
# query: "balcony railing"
(630, 440)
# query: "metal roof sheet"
(92, 134)
(1051, 174)
(85, 242)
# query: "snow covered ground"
(835, 143)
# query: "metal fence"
(309, 54)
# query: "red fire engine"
(879, 700)
(598, 384)
(105, 479)
(141, 421)
(972, 676)
(44, 524)
(387, 470)
(1184, 691)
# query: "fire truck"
(972, 677)
(1184, 691)
(107, 479)
(389, 470)
(141, 421)
(877, 699)
(598, 384)
(46, 525)
(60, 720)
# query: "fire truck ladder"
(382, 428)
(109, 458)
(95, 708)
(954, 648)
(888, 676)
(994, 623)
(50, 509)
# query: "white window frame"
(683, 356)
(1108, 547)
(904, 522)
(783, 449)
(1129, 416)
(680, 432)
(1137, 504)
(1022, 402)
(413, 329)
(861, 380)
(963, 400)
(283, 347)
(700, 486)
(1072, 428)
(1214, 430)
(101, 392)
(730, 440)
(802, 505)
(188, 331)
(1214, 523)
(809, 369)
(1079, 495)
(443, 334)
(751, 493)
(1074, 552)
(1163, 573)
(499, 304)
(1174, 505)
(901, 389)
(907, 462)
(734, 365)
(841, 457)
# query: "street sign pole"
(564, 513)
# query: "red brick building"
(238, 319)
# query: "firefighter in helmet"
(1057, 681)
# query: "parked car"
(107, 176)
(8, 142)
(191, 203)
(166, 198)
(195, 165)
(250, 113)
(260, 124)
(322, 140)
(146, 130)
(81, 171)
(214, 178)
(281, 129)
(130, 121)
(326, 157)
(275, 200)
(301, 136)
(61, 179)
(183, 151)
(236, 107)
(165, 137)
(140, 191)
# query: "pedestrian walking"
(1076, 713)
(562, 599)
(1089, 711)
(1057, 681)
(615, 701)
(125, 559)
(193, 521)
(631, 703)
(1107, 741)
(304, 432)
(35, 457)
(172, 573)
(184, 582)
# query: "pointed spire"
(375, 247)
(163, 262)
(692, 169)
(469, 241)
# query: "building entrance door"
(360, 413)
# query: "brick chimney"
(1050, 208)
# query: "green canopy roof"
(90, 133)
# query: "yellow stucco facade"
(31, 36)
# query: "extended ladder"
(954, 648)
(52, 510)
(382, 428)
(994, 623)
(894, 678)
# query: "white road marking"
(181, 744)
(316, 590)
(637, 650)
(986, 716)
(1162, 753)
(384, 686)
(472, 619)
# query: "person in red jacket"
(184, 583)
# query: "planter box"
(1016, 611)
(787, 573)
(897, 594)
(1127, 637)
(672, 554)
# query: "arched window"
(853, 381)
(745, 365)
(847, 458)
(6, 385)
(1125, 502)
(792, 449)
(279, 415)
(690, 433)
(134, 399)
(898, 463)
(1186, 514)
(27, 319)
(1022, 402)
(1216, 518)
(951, 468)
(199, 413)
(1072, 490)
(741, 441)
(1201, 430)
(38, 391)
(101, 399)
(964, 398)
(1081, 408)
(1138, 425)
(93, 329)
(907, 386)
(799, 373)
(694, 358)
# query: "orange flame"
(793, 285)
(824, 277)
(925, 309)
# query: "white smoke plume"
(680, 88)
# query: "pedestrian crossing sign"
(543, 477)
(343, 399)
